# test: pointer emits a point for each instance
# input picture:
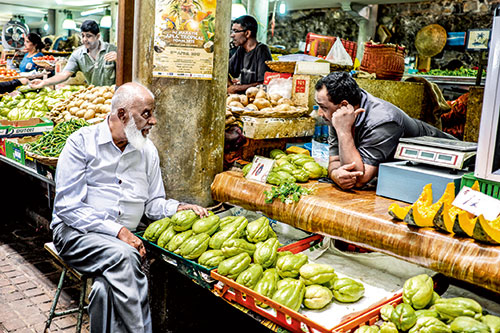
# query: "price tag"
(261, 167)
(477, 203)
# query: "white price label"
(477, 203)
(261, 167)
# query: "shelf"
(28, 170)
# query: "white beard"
(134, 135)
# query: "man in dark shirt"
(364, 130)
(249, 61)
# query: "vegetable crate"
(196, 272)
(285, 317)
(487, 186)
(263, 147)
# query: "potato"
(262, 103)
(285, 101)
(107, 95)
(89, 114)
(251, 93)
(231, 98)
(275, 97)
(282, 107)
(236, 104)
(252, 106)
(80, 113)
(73, 110)
(108, 101)
(84, 105)
(98, 100)
(244, 100)
(78, 102)
(266, 110)
(261, 94)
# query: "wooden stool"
(83, 278)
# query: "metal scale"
(425, 160)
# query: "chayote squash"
(246, 169)
(208, 225)
(225, 221)
(287, 167)
(276, 152)
(450, 308)
(368, 329)
(330, 283)
(388, 327)
(417, 291)
(250, 276)
(266, 253)
(316, 273)
(155, 229)
(313, 169)
(267, 285)
(290, 294)
(239, 222)
(183, 220)
(284, 253)
(194, 246)
(179, 239)
(166, 236)
(385, 312)
(317, 297)
(427, 313)
(347, 290)
(493, 323)
(211, 258)
(232, 267)
(229, 232)
(300, 175)
(289, 266)
(468, 325)
(234, 246)
(258, 230)
(403, 317)
(285, 281)
(429, 325)
(435, 297)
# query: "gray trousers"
(119, 296)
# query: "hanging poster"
(184, 39)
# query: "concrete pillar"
(189, 135)
(260, 10)
(367, 23)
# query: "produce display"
(92, 104)
(443, 216)
(456, 72)
(247, 252)
(8, 74)
(424, 311)
(258, 100)
(50, 144)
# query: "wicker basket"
(289, 66)
(50, 161)
(298, 112)
(386, 61)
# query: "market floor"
(28, 280)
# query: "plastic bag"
(280, 86)
(338, 55)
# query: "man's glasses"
(236, 31)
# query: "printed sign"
(184, 39)
(261, 167)
(477, 203)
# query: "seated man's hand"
(125, 235)
(200, 211)
(345, 177)
(233, 89)
(37, 84)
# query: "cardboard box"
(14, 150)
(20, 128)
(2, 147)
(303, 90)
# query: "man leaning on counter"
(95, 59)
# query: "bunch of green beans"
(52, 143)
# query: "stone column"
(189, 135)
(260, 10)
(367, 23)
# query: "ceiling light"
(46, 25)
(237, 9)
(68, 23)
(282, 8)
(106, 19)
(92, 11)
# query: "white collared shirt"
(99, 188)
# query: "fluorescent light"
(237, 10)
(106, 19)
(282, 8)
(92, 11)
(45, 27)
(68, 23)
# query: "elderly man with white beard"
(108, 176)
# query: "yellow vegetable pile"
(443, 216)
(259, 100)
(89, 103)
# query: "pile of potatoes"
(258, 100)
(92, 104)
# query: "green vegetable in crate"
(225, 221)
(266, 253)
(300, 175)
(317, 297)
(468, 325)
(194, 246)
(258, 230)
(284, 253)
(427, 313)
(417, 291)
(289, 266)
(316, 273)
(347, 290)
(208, 225)
(276, 152)
(388, 327)
(240, 223)
(368, 329)
(313, 169)
(166, 236)
(223, 235)
(267, 285)
(211, 258)
(184, 220)
(234, 246)
(250, 276)
(290, 294)
(429, 325)
(179, 239)
(450, 308)
(232, 267)
(493, 322)
(246, 169)
(385, 311)
(403, 317)
(155, 229)
(435, 297)
(330, 283)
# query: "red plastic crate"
(320, 45)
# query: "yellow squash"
(398, 212)
(464, 224)
(422, 213)
(487, 231)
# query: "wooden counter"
(361, 217)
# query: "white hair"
(125, 95)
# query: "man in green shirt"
(95, 59)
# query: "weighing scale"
(425, 160)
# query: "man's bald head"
(128, 93)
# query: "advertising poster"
(184, 39)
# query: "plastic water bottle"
(317, 126)
(324, 132)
